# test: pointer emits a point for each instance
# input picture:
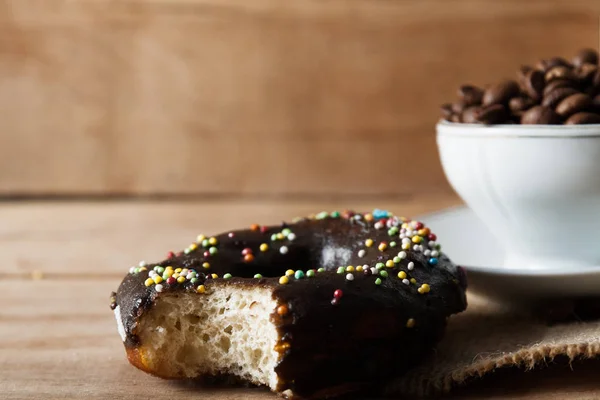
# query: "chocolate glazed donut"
(326, 305)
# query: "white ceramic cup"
(536, 188)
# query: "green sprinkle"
(273, 237)
(193, 274)
(393, 231)
(322, 215)
(378, 281)
(310, 273)
(438, 246)
(205, 243)
(257, 276)
(299, 274)
(194, 280)
(393, 244)
(321, 270)
(165, 277)
(335, 214)
(136, 270)
(297, 219)
(286, 231)
(379, 265)
(213, 250)
(341, 270)
(187, 251)
(383, 273)
(227, 276)
(397, 260)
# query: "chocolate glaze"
(362, 339)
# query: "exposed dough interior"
(224, 331)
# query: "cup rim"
(446, 128)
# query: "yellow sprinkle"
(201, 288)
(426, 288)
(417, 239)
(290, 272)
(214, 276)
(149, 282)
(178, 270)
(212, 241)
(405, 246)
(157, 279)
(206, 265)
(169, 269)
(284, 280)
(200, 238)
(410, 323)
(175, 275)
(403, 219)
(359, 268)
(369, 242)
(404, 225)
(280, 236)
(264, 247)
(389, 263)
(413, 280)
(184, 272)
(420, 290)
(193, 246)
(349, 268)
(423, 232)
(181, 279)
(402, 275)
(167, 273)
(143, 269)
(382, 246)
(369, 217)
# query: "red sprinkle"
(263, 229)
(170, 254)
(338, 294)
(419, 225)
(206, 254)
(249, 257)
(171, 280)
(254, 227)
(246, 251)
(231, 234)
(432, 236)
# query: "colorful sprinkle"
(149, 282)
(321, 270)
(410, 323)
(248, 258)
(264, 247)
(205, 243)
(338, 293)
(432, 237)
(402, 275)
(258, 276)
(157, 279)
(369, 242)
(279, 236)
(299, 274)
(201, 289)
(396, 260)
(335, 214)
(214, 276)
(393, 244)
(413, 281)
(205, 265)
(310, 273)
(284, 280)
(171, 281)
(282, 310)
(289, 272)
(433, 261)
(341, 270)
(402, 255)
(350, 268)
(359, 268)
(383, 273)
(379, 265)
(378, 281)
(382, 246)
(393, 231)
(254, 227)
(213, 250)
(389, 263)
(181, 279)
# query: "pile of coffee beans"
(555, 91)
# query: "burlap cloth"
(489, 336)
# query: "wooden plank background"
(262, 97)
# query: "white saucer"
(469, 244)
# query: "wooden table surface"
(58, 339)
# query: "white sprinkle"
(187, 251)
(158, 288)
(411, 266)
(365, 267)
(378, 225)
(349, 277)
(374, 271)
(406, 281)
(152, 273)
(189, 276)
(406, 240)
(120, 326)
(361, 253)
(432, 244)
(427, 252)
(435, 253)
(142, 263)
(417, 247)
(283, 250)
(405, 246)
(402, 255)
(184, 271)
(402, 236)
(291, 236)
(410, 233)
(131, 270)
(358, 216)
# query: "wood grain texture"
(105, 239)
(238, 97)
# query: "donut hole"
(226, 330)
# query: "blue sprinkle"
(379, 214)
(433, 261)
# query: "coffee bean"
(446, 110)
(560, 72)
(533, 84)
(500, 93)
(589, 56)
(556, 96)
(585, 73)
(558, 83)
(545, 65)
(583, 118)
(520, 104)
(469, 115)
(470, 95)
(540, 115)
(573, 104)
(458, 107)
(493, 114)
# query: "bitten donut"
(325, 305)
